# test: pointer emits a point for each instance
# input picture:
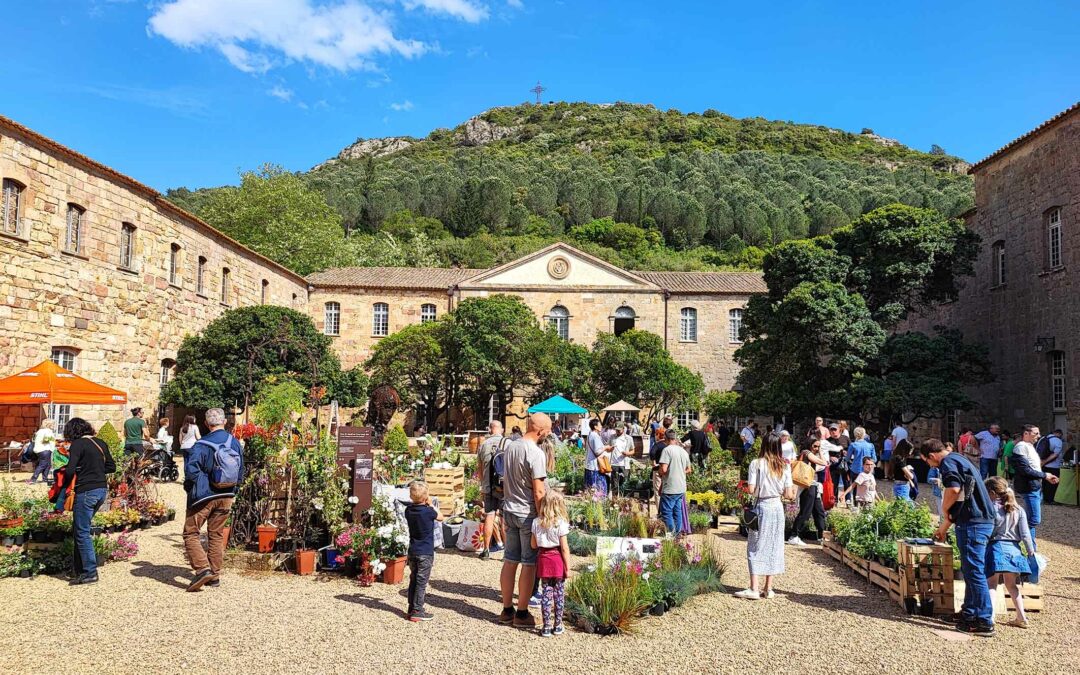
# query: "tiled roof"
(707, 282)
(1034, 132)
(420, 278)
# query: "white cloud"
(462, 9)
(402, 107)
(257, 35)
(516, 4)
(182, 101)
(281, 92)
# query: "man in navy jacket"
(207, 504)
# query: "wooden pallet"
(1033, 597)
(449, 486)
(926, 572)
(834, 549)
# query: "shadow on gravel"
(169, 575)
(373, 603)
(858, 604)
(450, 603)
(464, 590)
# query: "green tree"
(412, 361)
(720, 405)
(636, 367)
(235, 354)
(277, 215)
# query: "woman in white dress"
(769, 480)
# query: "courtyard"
(138, 619)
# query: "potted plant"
(305, 561)
(225, 531)
(267, 537)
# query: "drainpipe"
(667, 294)
(450, 297)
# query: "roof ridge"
(1019, 140)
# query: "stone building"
(698, 314)
(1021, 302)
(103, 275)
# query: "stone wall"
(1014, 193)
(121, 322)
(17, 423)
(713, 354)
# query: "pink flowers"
(125, 547)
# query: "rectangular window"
(1053, 233)
(688, 325)
(127, 245)
(200, 277)
(427, 313)
(61, 413)
(495, 409)
(174, 264)
(997, 259)
(225, 286)
(952, 425)
(73, 235)
(735, 325)
(12, 198)
(1057, 380)
(332, 319)
(380, 320)
(684, 418)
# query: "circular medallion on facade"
(558, 267)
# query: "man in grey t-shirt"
(492, 500)
(524, 485)
(674, 466)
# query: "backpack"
(225, 473)
(1042, 448)
(28, 454)
(496, 471)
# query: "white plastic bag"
(471, 537)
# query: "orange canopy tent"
(49, 383)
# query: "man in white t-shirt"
(747, 435)
(622, 447)
(989, 441)
(898, 434)
(674, 467)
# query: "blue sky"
(188, 92)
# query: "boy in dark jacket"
(210, 501)
(421, 517)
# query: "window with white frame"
(684, 418)
(73, 235)
(494, 408)
(127, 245)
(175, 270)
(559, 318)
(167, 366)
(427, 313)
(11, 223)
(61, 413)
(380, 319)
(332, 318)
(735, 325)
(952, 424)
(1057, 380)
(997, 259)
(226, 285)
(200, 276)
(688, 325)
(1053, 234)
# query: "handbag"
(69, 499)
(802, 474)
(828, 494)
(603, 464)
(750, 516)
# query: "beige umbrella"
(621, 406)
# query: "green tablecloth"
(1066, 489)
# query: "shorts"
(491, 504)
(518, 539)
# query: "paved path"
(139, 620)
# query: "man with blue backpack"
(213, 472)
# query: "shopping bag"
(471, 536)
(828, 497)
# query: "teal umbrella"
(558, 405)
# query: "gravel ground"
(137, 619)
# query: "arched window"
(332, 318)
(200, 277)
(559, 317)
(997, 259)
(127, 246)
(73, 235)
(625, 319)
(264, 294)
(688, 325)
(10, 220)
(174, 264)
(380, 319)
(735, 325)
(61, 413)
(427, 312)
(225, 285)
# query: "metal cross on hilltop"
(538, 89)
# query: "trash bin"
(451, 529)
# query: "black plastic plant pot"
(25, 574)
(927, 607)
(910, 604)
(658, 609)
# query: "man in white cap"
(697, 442)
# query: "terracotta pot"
(267, 538)
(395, 571)
(305, 561)
(225, 532)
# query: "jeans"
(419, 573)
(1050, 491)
(973, 540)
(86, 505)
(618, 475)
(44, 465)
(810, 506)
(987, 467)
(671, 512)
(215, 513)
(1032, 505)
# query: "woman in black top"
(89, 463)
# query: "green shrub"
(396, 442)
(612, 600)
(107, 433)
(580, 543)
(700, 520)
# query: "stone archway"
(624, 320)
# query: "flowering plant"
(391, 541)
(125, 547)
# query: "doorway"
(624, 320)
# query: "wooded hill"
(694, 190)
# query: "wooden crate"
(449, 486)
(834, 549)
(926, 571)
(1033, 597)
(857, 565)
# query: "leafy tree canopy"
(635, 367)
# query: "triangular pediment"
(559, 265)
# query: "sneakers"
(749, 594)
(980, 628)
(559, 630)
(417, 617)
(795, 541)
(534, 601)
(213, 584)
(200, 580)
(485, 554)
(545, 632)
(767, 595)
(85, 579)
(495, 548)
(522, 619)
(507, 615)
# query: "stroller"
(157, 463)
